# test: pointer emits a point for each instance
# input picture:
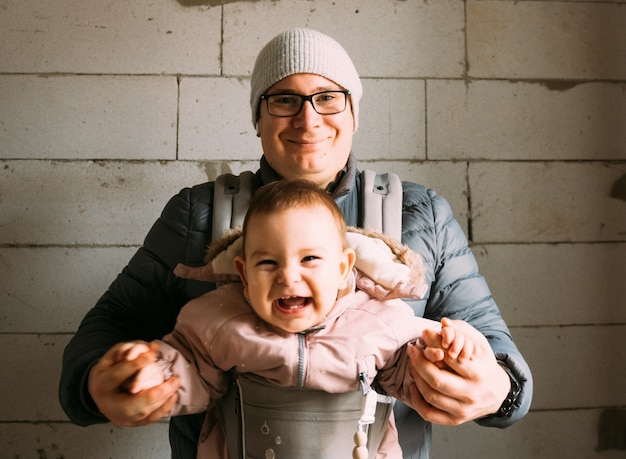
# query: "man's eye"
(326, 97)
(284, 100)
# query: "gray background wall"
(513, 110)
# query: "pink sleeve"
(194, 394)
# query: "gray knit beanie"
(304, 51)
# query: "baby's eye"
(310, 258)
(266, 263)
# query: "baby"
(314, 306)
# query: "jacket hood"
(384, 268)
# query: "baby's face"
(295, 264)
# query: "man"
(305, 95)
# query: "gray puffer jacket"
(144, 300)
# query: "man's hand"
(108, 381)
(461, 390)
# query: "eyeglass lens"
(324, 103)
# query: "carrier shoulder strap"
(381, 202)
(231, 198)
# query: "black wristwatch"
(508, 404)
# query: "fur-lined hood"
(384, 268)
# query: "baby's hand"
(431, 344)
(458, 346)
(449, 345)
(131, 350)
(148, 376)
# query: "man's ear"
(240, 266)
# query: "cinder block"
(88, 203)
(216, 121)
(547, 202)
(385, 39)
(540, 435)
(99, 117)
(31, 367)
(139, 37)
(67, 441)
(539, 284)
(446, 178)
(525, 121)
(50, 289)
(539, 40)
(392, 123)
(575, 366)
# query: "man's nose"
(307, 114)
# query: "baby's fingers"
(136, 349)
(456, 345)
(434, 354)
(148, 377)
(467, 353)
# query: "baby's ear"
(240, 266)
(348, 257)
(346, 264)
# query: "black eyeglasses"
(324, 103)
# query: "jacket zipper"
(303, 354)
(301, 358)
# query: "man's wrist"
(85, 395)
(507, 406)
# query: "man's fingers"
(164, 409)
(438, 386)
(103, 378)
(426, 410)
(146, 407)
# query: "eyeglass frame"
(309, 98)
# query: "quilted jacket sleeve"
(143, 301)
(457, 290)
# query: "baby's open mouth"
(292, 303)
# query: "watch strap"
(508, 404)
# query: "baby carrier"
(264, 421)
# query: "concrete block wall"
(513, 110)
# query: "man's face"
(295, 264)
(309, 145)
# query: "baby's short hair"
(283, 195)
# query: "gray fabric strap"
(381, 200)
(231, 197)
(382, 203)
